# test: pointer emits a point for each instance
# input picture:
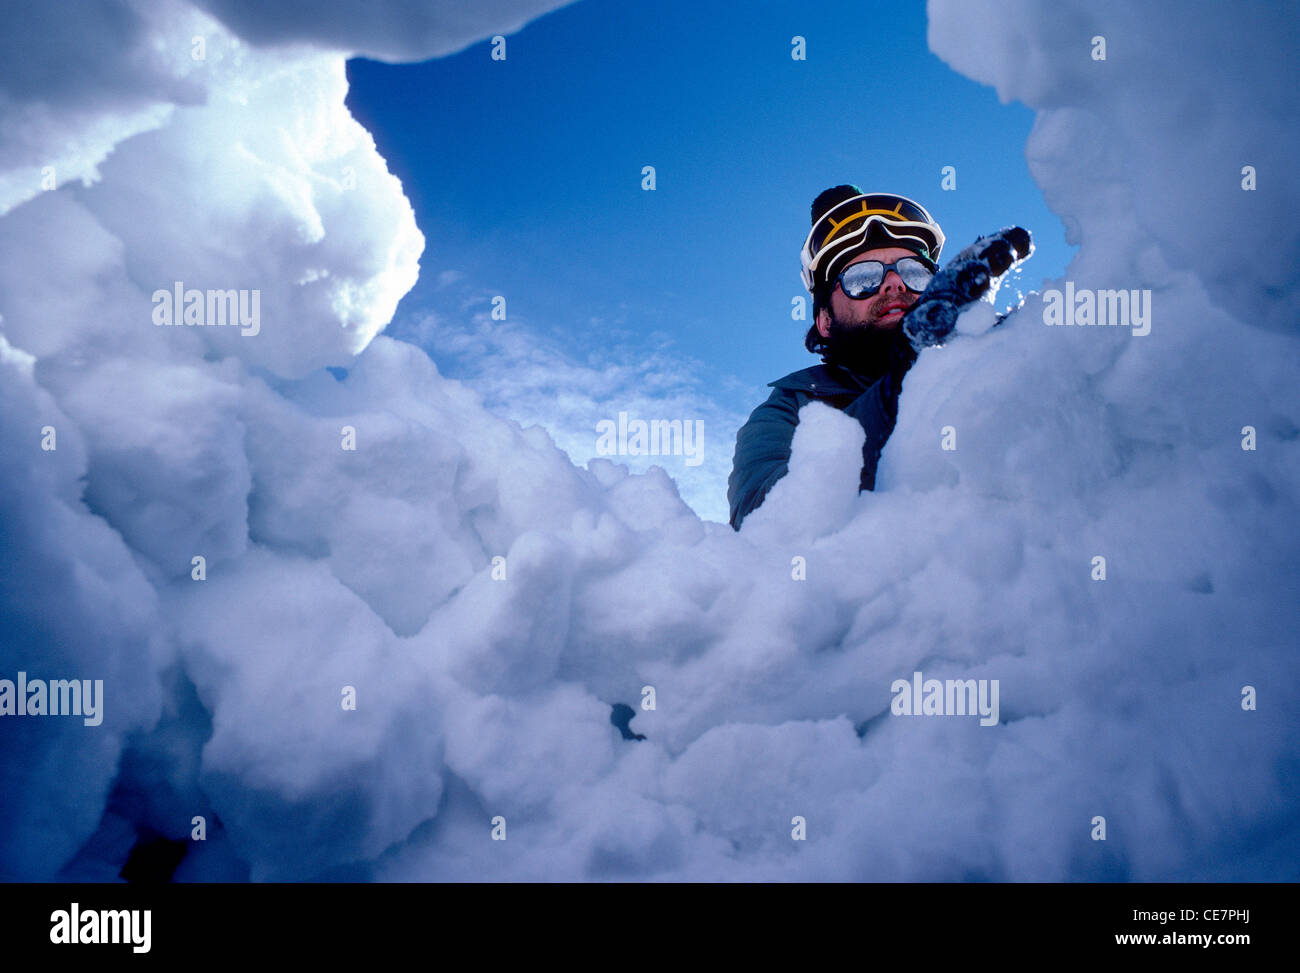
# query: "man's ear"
(823, 322)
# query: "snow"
(478, 695)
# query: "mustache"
(888, 303)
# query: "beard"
(860, 348)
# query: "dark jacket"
(763, 443)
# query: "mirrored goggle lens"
(916, 275)
(864, 278)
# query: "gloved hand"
(964, 281)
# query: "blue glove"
(965, 280)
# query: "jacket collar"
(826, 379)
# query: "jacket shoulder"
(819, 380)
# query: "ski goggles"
(864, 278)
(845, 227)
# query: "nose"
(892, 284)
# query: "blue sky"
(525, 176)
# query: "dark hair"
(813, 340)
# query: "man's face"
(883, 310)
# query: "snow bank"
(482, 602)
